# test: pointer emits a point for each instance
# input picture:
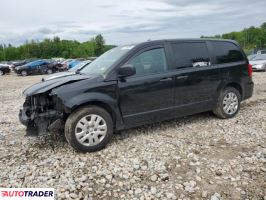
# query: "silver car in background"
(258, 62)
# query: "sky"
(125, 21)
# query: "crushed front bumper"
(40, 123)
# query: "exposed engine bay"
(40, 114)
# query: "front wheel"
(228, 103)
(1, 73)
(89, 129)
(24, 73)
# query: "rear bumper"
(248, 90)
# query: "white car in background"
(261, 52)
(258, 62)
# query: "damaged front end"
(43, 109)
(40, 114)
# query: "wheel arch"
(103, 101)
(100, 104)
(225, 85)
(236, 86)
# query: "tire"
(49, 71)
(85, 120)
(228, 103)
(24, 73)
(2, 73)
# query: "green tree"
(99, 44)
(249, 38)
(49, 48)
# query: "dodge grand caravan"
(129, 86)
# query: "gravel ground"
(196, 157)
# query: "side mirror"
(126, 70)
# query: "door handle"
(182, 77)
(166, 79)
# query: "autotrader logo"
(27, 193)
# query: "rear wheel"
(24, 73)
(1, 73)
(228, 103)
(89, 129)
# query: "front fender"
(95, 98)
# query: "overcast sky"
(125, 21)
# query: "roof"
(179, 40)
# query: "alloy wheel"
(230, 103)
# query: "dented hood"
(45, 86)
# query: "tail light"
(250, 70)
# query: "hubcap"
(24, 73)
(91, 130)
(230, 103)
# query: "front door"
(147, 96)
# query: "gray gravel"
(196, 157)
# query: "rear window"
(226, 52)
(189, 54)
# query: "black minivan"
(133, 85)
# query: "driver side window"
(149, 62)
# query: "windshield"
(105, 61)
(259, 57)
(79, 66)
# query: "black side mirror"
(126, 70)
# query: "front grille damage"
(40, 114)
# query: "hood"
(45, 86)
(58, 75)
(257, 62)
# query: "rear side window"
(189, 54)
(226, 52)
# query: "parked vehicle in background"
(18, 63)
(261, 52)
(73, 63)
(258, 62)
(4, 69)
(70, 72)
(251, 56)
(134, 85)
(35, 67)
(65, 64)
(53, 67)
(6, 64)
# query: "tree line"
(250, 39)
(54, 48)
